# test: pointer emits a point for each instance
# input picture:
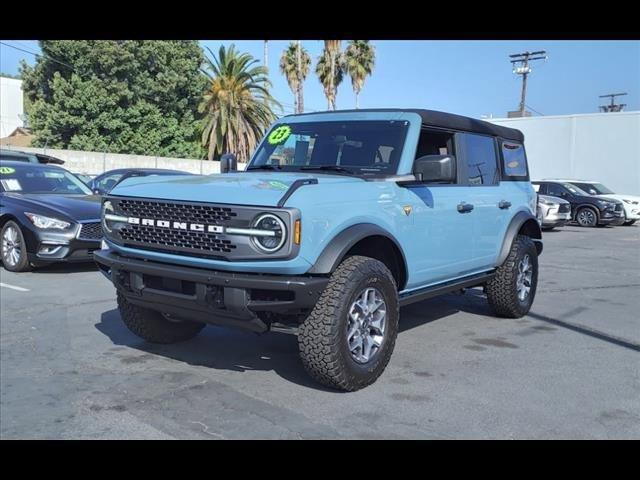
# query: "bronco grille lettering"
(194, 227)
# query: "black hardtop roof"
(434, 118)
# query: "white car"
(553, 212)
(631, 203)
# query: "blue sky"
(471, 78)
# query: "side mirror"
(435, 169)
(228, 163)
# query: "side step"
(442, 288)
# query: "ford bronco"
(339, 219)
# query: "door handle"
(503, 205)
(464, 207)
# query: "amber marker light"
(297, 232)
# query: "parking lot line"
(13, 287)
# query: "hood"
(243, 188)
(75, 207)
(620, 197)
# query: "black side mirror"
(228, 163)
(435, 169)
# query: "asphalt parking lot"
(571, 369)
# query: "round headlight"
(107, 207)
(273, 233)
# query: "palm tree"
(237, 105)
(294, 65)
(332, 48)
(330, 75)
(359, 60)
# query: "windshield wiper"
(333, 168)
(265, 167)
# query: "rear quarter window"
(514, 161)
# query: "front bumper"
(46, 246)
(209, 296)
(556, 219)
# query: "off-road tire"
(152, 326)
(322, 337)
(502, 291)
(23, 264)
(595, 221)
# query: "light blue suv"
(339, 220)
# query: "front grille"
(176, 211)
(169, 239)
(90, 231)
(564, 208)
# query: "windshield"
(594, 188)
(574, 189)
(35, 179)
(368, 148)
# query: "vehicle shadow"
(67, 268)
(235, 350)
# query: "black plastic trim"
(294, 186)
(517, 221)
(447, 287)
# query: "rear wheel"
(587, 217)
(153, 326)
(512, 290)
(13, 248)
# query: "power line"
(534, 110)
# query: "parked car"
(587, 210)
(86, 179)
(553, 211)
(104, 182)
(339, 219)
(46, 215)
(18, 156)
(631, 203)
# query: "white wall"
(600, 146)
(94, 163)
(11, 105)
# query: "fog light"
(103, 245)
(49, 249)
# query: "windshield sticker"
(271, 185)
(11, 184)
(279, 135)
(513, 164)
(5, 170)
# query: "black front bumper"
(46, 247)
(209, 296)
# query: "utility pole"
(266, 54)
(613, 107)
(521, 66)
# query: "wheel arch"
(523, 223)
(365, 239)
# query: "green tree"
(118, 96)
(330, 75)
(294, 65)
(238, 107)
(359, 60)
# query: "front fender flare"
(339, 245)
(520, 220)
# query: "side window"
(556, 190)
(108, 182)
(514, 160)
(480, 154)
(436, 142)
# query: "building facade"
(11, 105)
(600, 146)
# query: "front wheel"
(629, 223)
(14, 248)
(587, 217)
(512, 290)
(347, 340)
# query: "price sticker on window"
(11, 185)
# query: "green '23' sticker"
(7, 170)
(279, 135)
